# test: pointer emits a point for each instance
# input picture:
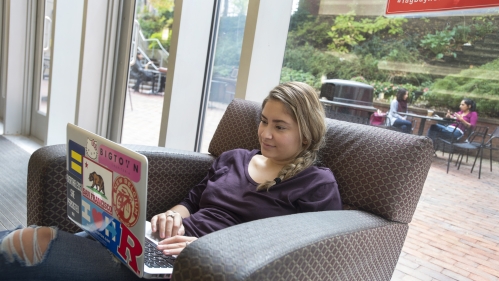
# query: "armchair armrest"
(332, 245)
(172, 173)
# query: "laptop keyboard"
(154, 258)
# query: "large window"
(148, 70)
(439, 58)
(46, 53)
(228, 43)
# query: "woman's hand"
(174, 245)
(168, 224)
(449, 114)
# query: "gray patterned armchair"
(380, 175)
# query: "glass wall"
(440, 58)
(148, 61)
(46, 52)
(228, 44)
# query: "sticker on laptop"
(112, 234)
(73, 198)
(126, 201)
(97, 182)
(120, 163)
(91, 149)
(76, 153)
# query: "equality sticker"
(120, 163)
(75, 159)
(125, 201)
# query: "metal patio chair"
(475, 141)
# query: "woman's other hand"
(174, 245)
(168, 224)
(449, 114)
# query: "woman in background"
(400, 105)
(466, 118)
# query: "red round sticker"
(125, 201)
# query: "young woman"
(400, 105)
(466, 118)
(278, 179)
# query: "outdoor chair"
(474, 142)
(361, 242)
(450, 143)
(487, 145)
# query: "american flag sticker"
(75, 159)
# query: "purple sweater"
(471, 118)
(227, 195)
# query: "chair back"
(493, 135)
(478, 135)
(377, 170)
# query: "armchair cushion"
(331, 245)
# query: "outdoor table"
(426, 117)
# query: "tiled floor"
(454, 234)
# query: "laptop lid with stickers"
(107, 193)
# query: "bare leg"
(27, 245)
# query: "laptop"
(107, 197)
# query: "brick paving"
(454, 234)
(143, 118)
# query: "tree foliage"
(348, 32)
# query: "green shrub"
(480, 84)
(439, 43)
(288, 74)
(347, 32)
(484, 25)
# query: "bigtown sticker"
(120, 163)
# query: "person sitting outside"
(139, 73)
(400, 105)
(466, 118)
(280, 178)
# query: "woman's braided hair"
(302, 103)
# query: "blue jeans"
(404, 125)
(68, 257)
(444, 132)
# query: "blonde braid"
(291, 169)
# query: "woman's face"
(278, 134)
(406, 95)
(463, 106)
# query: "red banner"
(417, 6)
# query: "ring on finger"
(187, 243)
(171, 216)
